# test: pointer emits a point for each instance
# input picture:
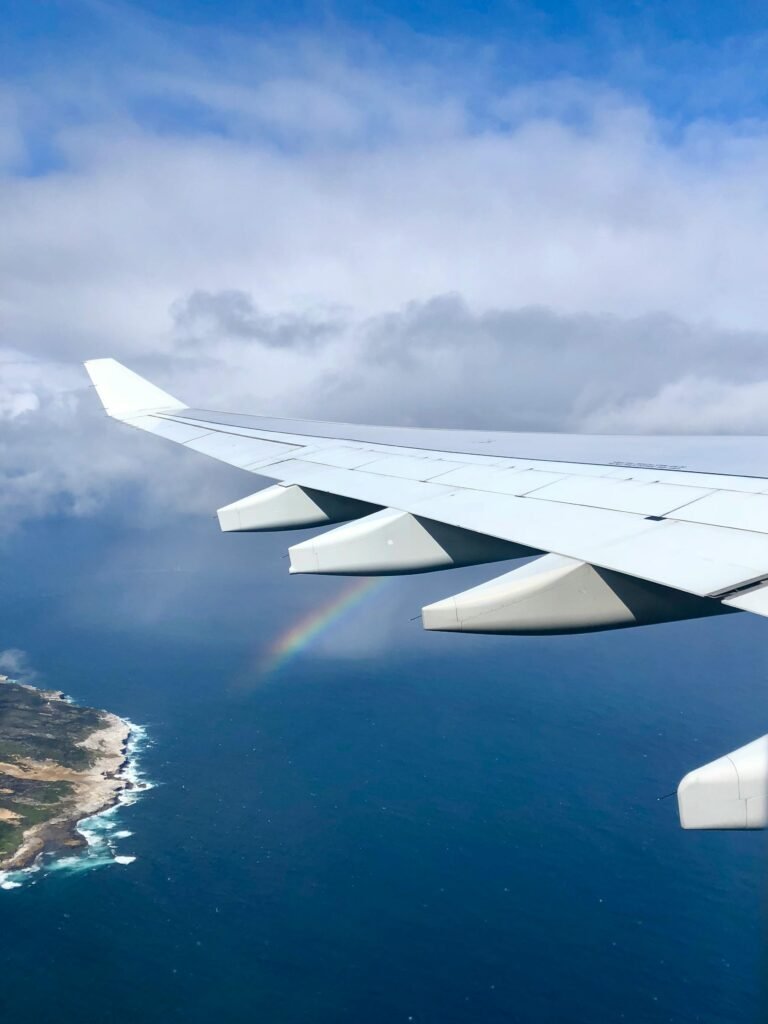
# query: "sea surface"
(366, 823)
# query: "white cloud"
(16, 664)
(288, 231)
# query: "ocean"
(355, 821)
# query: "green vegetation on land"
(33, 726)
(36, 726)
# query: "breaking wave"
(100, 831)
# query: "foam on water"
(99, 831)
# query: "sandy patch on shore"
(94, 789)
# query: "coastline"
(94, 790)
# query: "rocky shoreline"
(86, 791)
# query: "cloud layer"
(286, 227)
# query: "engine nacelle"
(289, 507)
(560, 595)
(731, 792)
(390, 542)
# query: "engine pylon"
(390, 542)
(289, 507)
(554, 594)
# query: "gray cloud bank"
(355, 242)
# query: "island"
(59, 763)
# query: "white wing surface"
(630, 530)
(689, 513)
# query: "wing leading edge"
(629, 531)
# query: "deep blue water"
(394, 827)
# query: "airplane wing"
(628, 530)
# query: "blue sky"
(687, 59)
(685, 62)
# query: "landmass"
(59, 763)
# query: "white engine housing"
(731, 792)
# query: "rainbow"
(302, 633)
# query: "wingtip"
(124, 393)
